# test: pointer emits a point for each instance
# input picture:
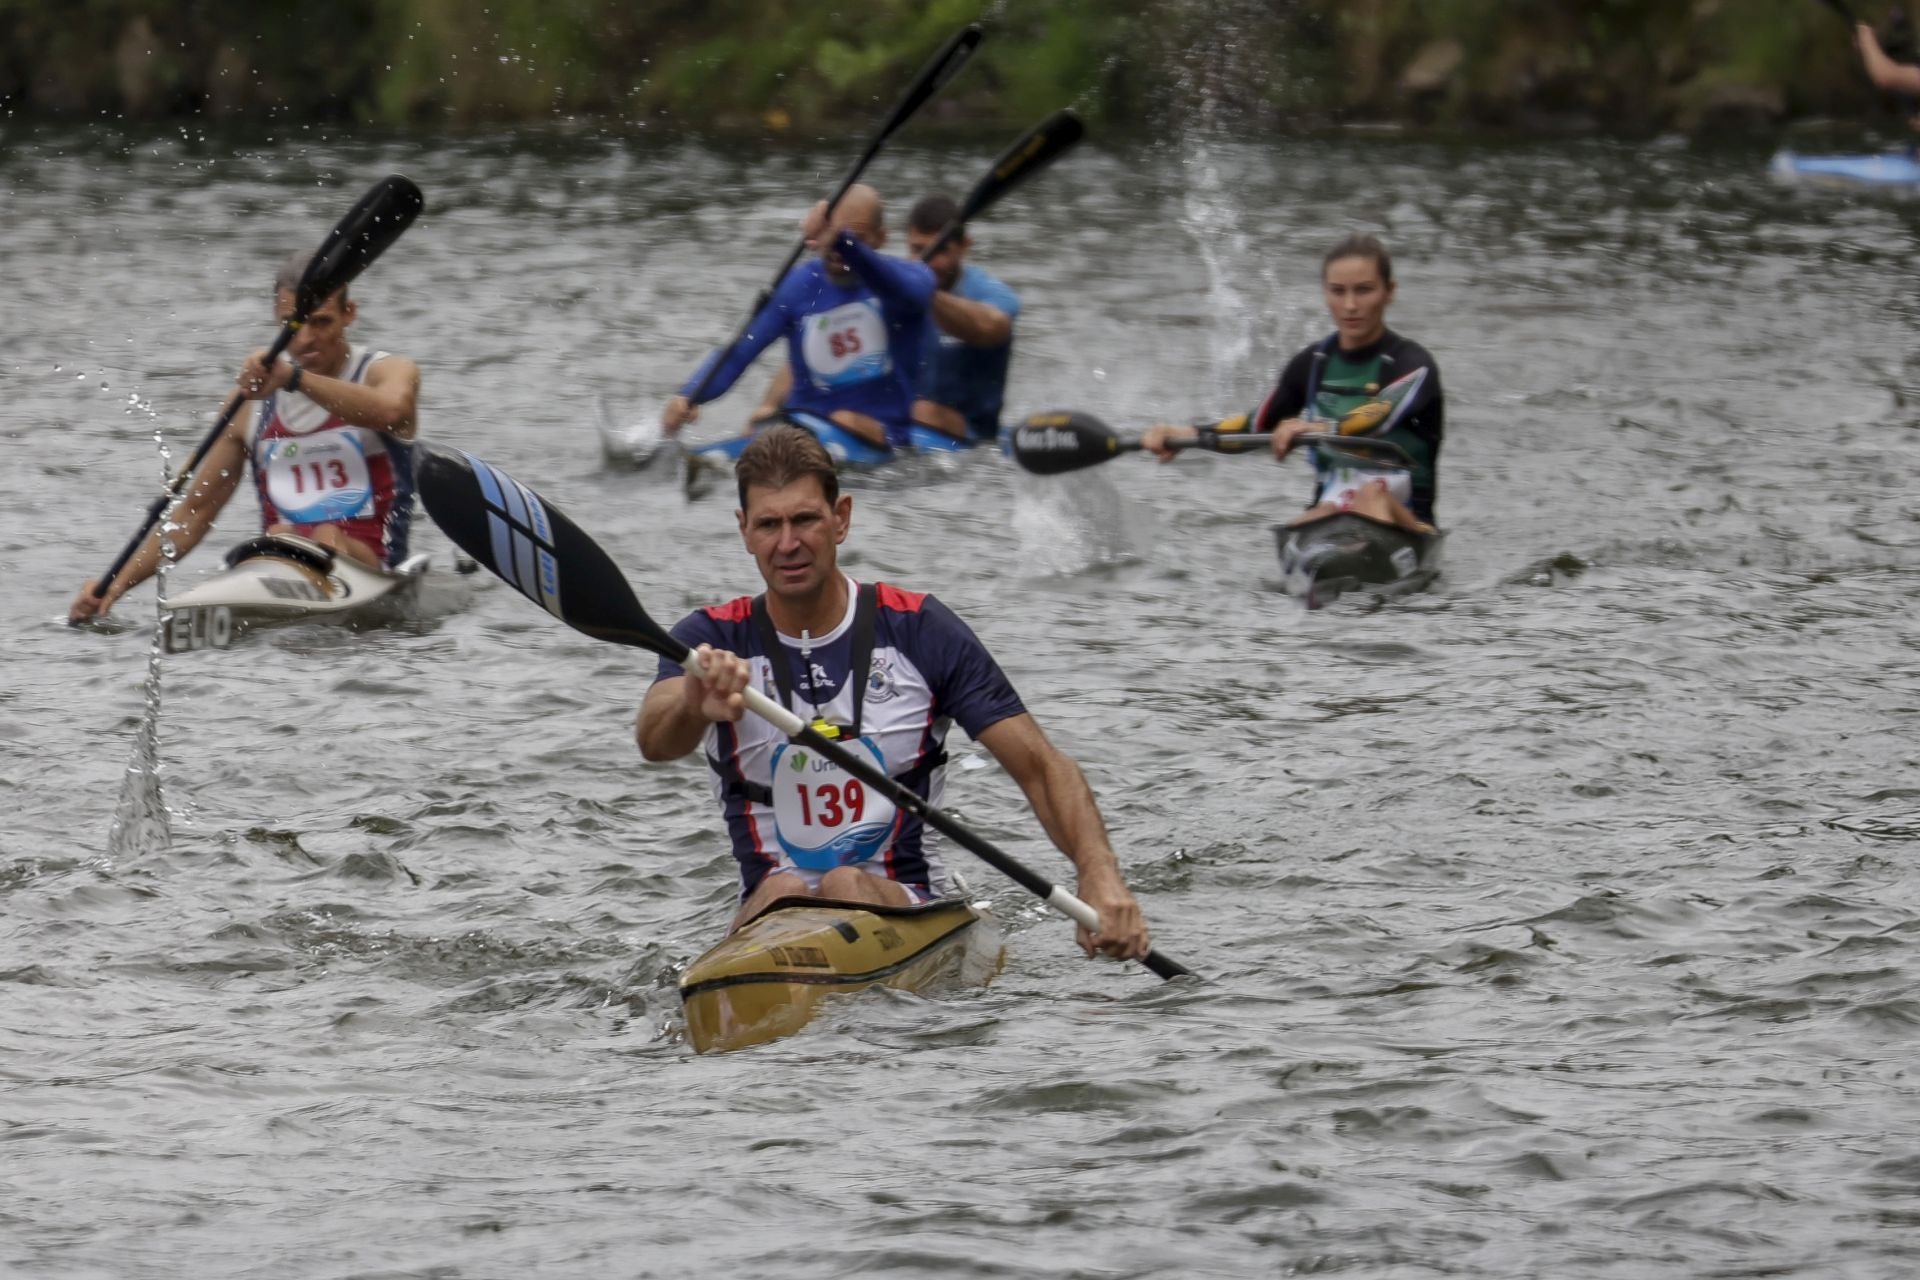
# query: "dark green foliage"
(779, 65)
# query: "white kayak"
(279, 578)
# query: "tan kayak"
(763, 981)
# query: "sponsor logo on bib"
(823, 816)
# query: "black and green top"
(1325, 383)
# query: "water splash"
(141, 820)
(1064, 529)
(1208, 111)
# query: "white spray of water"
(1212, 72)
(141, 821)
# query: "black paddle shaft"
(551, 560)
(376, 220)
(942, 67)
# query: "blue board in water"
(846, 448)
(1887, 169)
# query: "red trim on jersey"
(897, 600)
(1260, 422)
(732, 611)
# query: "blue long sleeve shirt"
(851, 346)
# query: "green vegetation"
(1623, 65)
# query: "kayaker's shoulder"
(977, 284)
(1407, 353)
(899, 599)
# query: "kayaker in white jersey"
(328, 446)
(886, 671)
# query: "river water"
(1556, 922)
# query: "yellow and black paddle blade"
(1051, 444)
(1031, 152)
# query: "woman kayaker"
(1327, 381)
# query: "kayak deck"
(276, 579)
(645, 451)
(1326, 557)
(1882, 169)
(765, 979)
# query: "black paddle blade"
(942, 67)
(388, 209)
(1050, 444)
(535, 549)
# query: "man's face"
(946, 263)
(1357, 299)
(321, 343)
(793, 533)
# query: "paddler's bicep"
(397, 381)
(652, 726)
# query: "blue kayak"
(1887, 169)
(847, 449)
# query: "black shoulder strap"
(866, 608)
(776, 653)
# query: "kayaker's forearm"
(733, 361)
(1064, 804)
(977, 324)
(388, 409)
(665, 730)
(193, 517)
(900, 286)
(1886, 74)
(192, 524)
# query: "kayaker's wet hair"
(293, 271)
(1361, 245)
(781, 455)
(931, 214)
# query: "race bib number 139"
(824, 816)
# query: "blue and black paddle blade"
(531, 546)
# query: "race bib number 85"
(846, 345)
(825, 817)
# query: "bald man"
(855, 323)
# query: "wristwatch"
(293, 379)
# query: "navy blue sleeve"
(967, 683)
(694, 630)
(905, 289)
(768, 323)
